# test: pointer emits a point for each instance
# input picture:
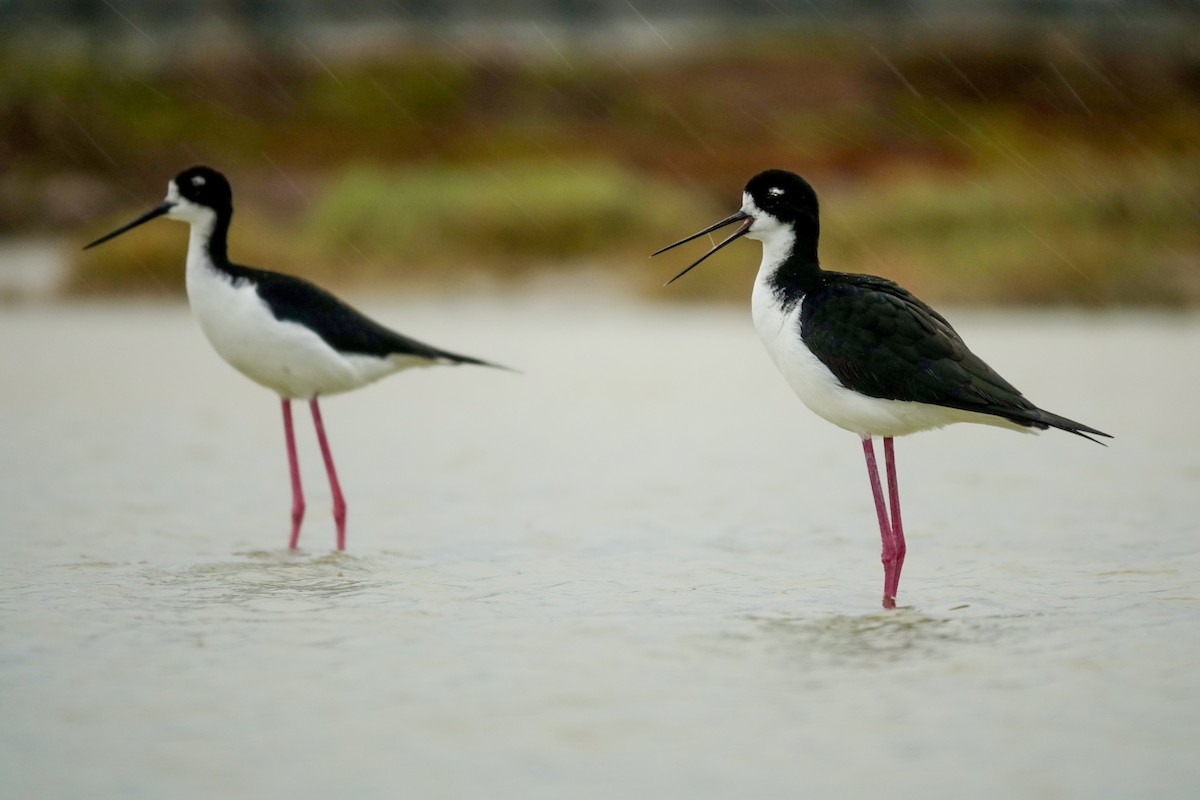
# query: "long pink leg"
(900, 548)
(885, 528)
(339, 502)
(294, 467)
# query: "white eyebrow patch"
(775, 190)
(198, 180)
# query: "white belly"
(824, 394)
(286, 357)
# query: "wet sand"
(638, 569)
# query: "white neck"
(770, 311)
(777, 239)
(201, 231)
(777, 246)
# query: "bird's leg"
(294, 468)
(900, 548)
(339, 502)
(885, 527)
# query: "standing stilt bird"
(861, 351)
(283, 332)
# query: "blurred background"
(989, 152)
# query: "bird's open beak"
(157, 211)
(742, 216)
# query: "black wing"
(341, 326)
(878, 339)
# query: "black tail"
(1038, 418)
(447, 357)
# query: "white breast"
(286, 357)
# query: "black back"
(882, 341)
(340, 325)
(294, 299)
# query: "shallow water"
(638, 569)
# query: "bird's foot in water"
(889, 603)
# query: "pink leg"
(900, 548)
(339, 502)
(294, 467)
(885, 528)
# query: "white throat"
(201, 221)
(199, 236)
(778, 241)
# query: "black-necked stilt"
(283, 332)
(861, 351)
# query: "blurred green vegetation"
(1074, 229)
(1034, 172)
(509, 217)
(424, 224)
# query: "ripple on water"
(891, 637)
(269, 581)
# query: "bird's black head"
(198, 195)
(786, 197)
(780, 209)
(204, 186)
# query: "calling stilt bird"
(862, 352)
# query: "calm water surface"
(638, 569)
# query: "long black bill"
(742, 216)
(157, 211)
